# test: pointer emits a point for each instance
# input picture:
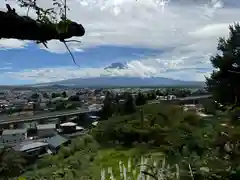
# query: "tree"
(35, 96)
(151, 95)
(140, 99)
(12, 163)
(129, 105)
(45, 95)
(224, 80)
(60, 106)
(74, 98)
(209, 107)
(35, 106)
(108, 108)
(54, 95)
(64, 94)
(159, 93)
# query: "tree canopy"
(223, 82)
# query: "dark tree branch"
(26, 28)
(41, 30)
(64, 42)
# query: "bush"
(130, 129)
(70, 163)
(209, 107)
(209, 150)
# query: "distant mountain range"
(121, 81)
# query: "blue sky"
(152, 39)
(33, 57)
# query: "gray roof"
(57, 141)
(13, 131)
(46, 126)
(29, 145)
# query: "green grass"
(110, 157)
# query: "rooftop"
(46, 126)
(13, 131)
(57, 141)
(95, 123)
(29, 145)
(79, 128)
(68, 124)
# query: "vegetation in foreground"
(187, 146)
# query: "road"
(49, 115)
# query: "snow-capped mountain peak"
(116, 65)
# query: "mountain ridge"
(121, 81)
(118, 81)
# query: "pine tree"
(129, 105)
(140, 99)
(224, 80)
(108, 109)
(64, 94)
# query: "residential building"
(13, 136)
(55, 142)
(43, 105)
(46, 130)
(171, 97)
(68, 127)
(28, 106)
(95, 107)
(32, 147)
(28, 125)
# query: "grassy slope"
(103, 157)
(110, 157)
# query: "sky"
(154, 38)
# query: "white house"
(46, 130)
(13, 136)
(171, 97)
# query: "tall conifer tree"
(224, 82)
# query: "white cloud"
(12, 43)
(175, 68)
(139, 22)
(211, 31)
(191, 28)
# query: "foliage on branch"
(46, 27)
(40, 30)
(45, 15)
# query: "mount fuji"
(123, 81)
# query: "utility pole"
(141, 116)
(141, 119)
